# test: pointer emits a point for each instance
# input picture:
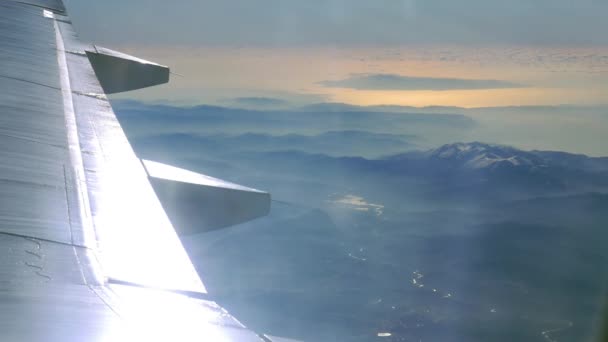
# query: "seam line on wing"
(100, 291)
(30, 183)
(28, 81)
(44, 240)
(32, 140)
(192, 294)
(74, 141)
(40, 6)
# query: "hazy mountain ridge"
(532, 127)
(146, 120)
(466, 168)
(503, 239)
(333, 143)
(575, 161)
(477, 155)
(494, 157)
(458, 166)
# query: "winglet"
(197, 203)
(118, 72)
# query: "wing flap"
(118, 72)
(197, 203)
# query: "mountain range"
(460, 169)
(503, 239)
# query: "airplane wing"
(88, 253)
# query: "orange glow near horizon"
(466, 98)
(551, 75)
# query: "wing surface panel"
(76, 208)
(28, 62)
(40, 281)
(33, 191)
(129, 222)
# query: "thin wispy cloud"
(399, 82)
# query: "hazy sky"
(410, 52)
(344, 22)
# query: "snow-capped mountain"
(503, 171)
(476, 156)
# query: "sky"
(273, 53)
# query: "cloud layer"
(398, 82)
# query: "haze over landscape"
(373, 232)
(439, 169)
